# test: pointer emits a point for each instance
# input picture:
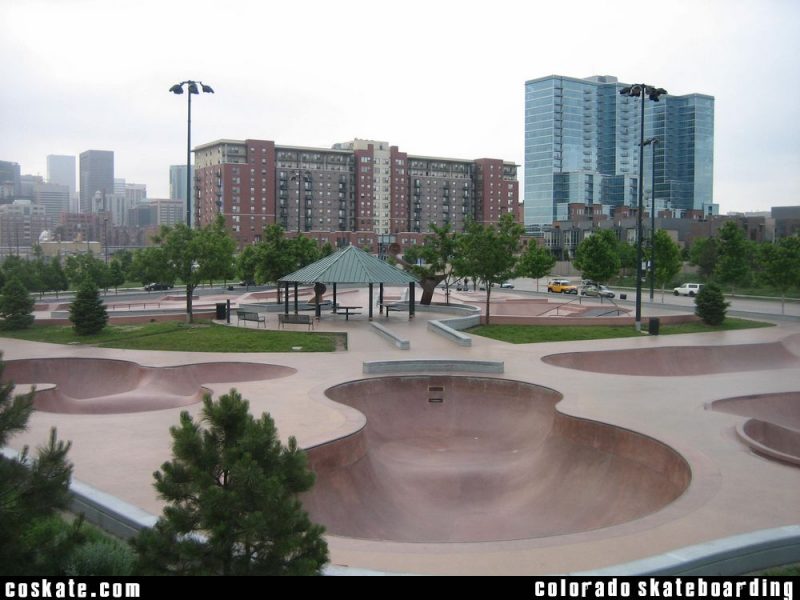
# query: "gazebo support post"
(334, 297)
(411, 294)
(286, 298)
(370, 301)
(380, 296)
(296, 309)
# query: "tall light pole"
(302, 177)
(652, 141)
(640, 90)
(178, 89)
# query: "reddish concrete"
(680, 360)
(100, 386)
(493, 461)
(574, 318)
(774, 427)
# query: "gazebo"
(350, 266)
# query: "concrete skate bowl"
(773, 426)
(474, 459)
(677, 361)
(101, 386)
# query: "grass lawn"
(173, 335)
(530, 334)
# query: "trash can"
(623, 296)
(221, 311)
(653, 326)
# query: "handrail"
(577, 297)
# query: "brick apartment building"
(361, 192)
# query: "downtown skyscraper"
(582, 147)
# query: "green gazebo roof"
(350, 265)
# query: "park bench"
(295, 320)
(243, 315)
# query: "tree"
(274, 255)
(304, 251)
(597, 256)
(149, 265)
(734, 252)
(55, 278)
(326, 250)
(232, 492)
(16, 306)
(487, 253)
(87, 313)
(116, 275)
(16, 267)
(710, 304)
(703, 253)
(196, 255)
(31, 491)
(780, 264)
(627, 257)
(82, 267)
(246, 264)
(536, 262)
(668, 260)
(436, 258)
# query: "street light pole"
(653, 142)
(640, 90)
(192, 88)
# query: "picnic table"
(348, 310)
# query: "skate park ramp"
(470, 459)
(679, 361)
(101, 386)
(773, 425)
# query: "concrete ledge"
(390, 336)
(447, 332)
(432, 366)
(727, 556)
(109, 512)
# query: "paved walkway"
(732, 491)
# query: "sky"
(434, 77)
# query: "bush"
(711, 305)
(87, 312)
(16, 306)
(101, 558)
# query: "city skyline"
(445, 79)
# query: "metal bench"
(283, 319)
(243, 315)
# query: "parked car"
(688, 289)
(507, 285)
(561, 286)
(154, 287)
(594, 289)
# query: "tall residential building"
(359, 186)
(582, 147)
(61, 170)
(55, 199)
(169, 212)
(96, 175)
(21, 224)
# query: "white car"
(688, 289)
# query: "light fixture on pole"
(652, 142)
(640, 90)
(178, 89)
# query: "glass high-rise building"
(582, 146)
(96, 176)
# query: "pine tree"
(711, 305)
(16, 306)
(232, 489)
(87, 313)
(31, 491)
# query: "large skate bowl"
(677, 361)
(773, 426)
(476, 459)
(102, 386)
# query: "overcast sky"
(435, 77)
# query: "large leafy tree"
(83, 267)
(32, 490)
(149, 265)
(535, 262)
(432, 262)
(16, 306)
(703, 254)
(780, 265)
(734, 255)
(597, 256)
(668, 260)
(275, 258)
(197, 255)
(232, 492)
(246, 264)
(488, 253)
